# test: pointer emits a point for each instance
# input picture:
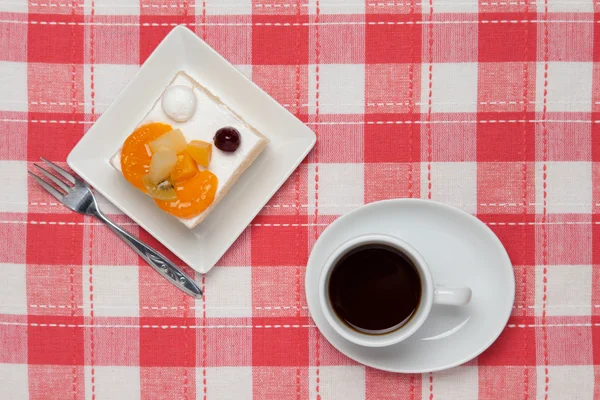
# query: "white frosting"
(210, 115)
(179, 102)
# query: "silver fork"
(78, 196)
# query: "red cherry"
(227, 139)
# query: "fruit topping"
(227, 139)
(193, 196)
(161, 165)
(179, 102)
(200, 151)
(184, 169)
(173, 140)
(162, 191)
(158, 160)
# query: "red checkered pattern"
(492, 106)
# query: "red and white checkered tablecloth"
(489, 105)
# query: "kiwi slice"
(163, 191)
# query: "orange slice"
(136, 154)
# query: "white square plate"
(290, 142)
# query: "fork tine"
(47, 186)
(54, 179)
(61, 171)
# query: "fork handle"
(160, 263)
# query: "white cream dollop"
(179, 102)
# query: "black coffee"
(374, 288)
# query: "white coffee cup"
(430, 293)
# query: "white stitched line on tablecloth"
(483, 121)
(217, 6)
(549, 325)
(341, 205)
(162, 307)
(133, 224)
(33, 324)
(299, 24)
(381, 104)
(52, 103)
(407, 122)
(541, 223)
(483, 103)
(31, 204)
(559, 307)
(117, 6)
(449, 5)
(46, 121)
(302, 225)
(419, 103)
(52, 306)
(463, 204)
(485, 3)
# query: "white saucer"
(460, 250)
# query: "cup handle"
(452, 296)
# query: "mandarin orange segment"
(185, 168)
(136, 155)
(194, 195)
